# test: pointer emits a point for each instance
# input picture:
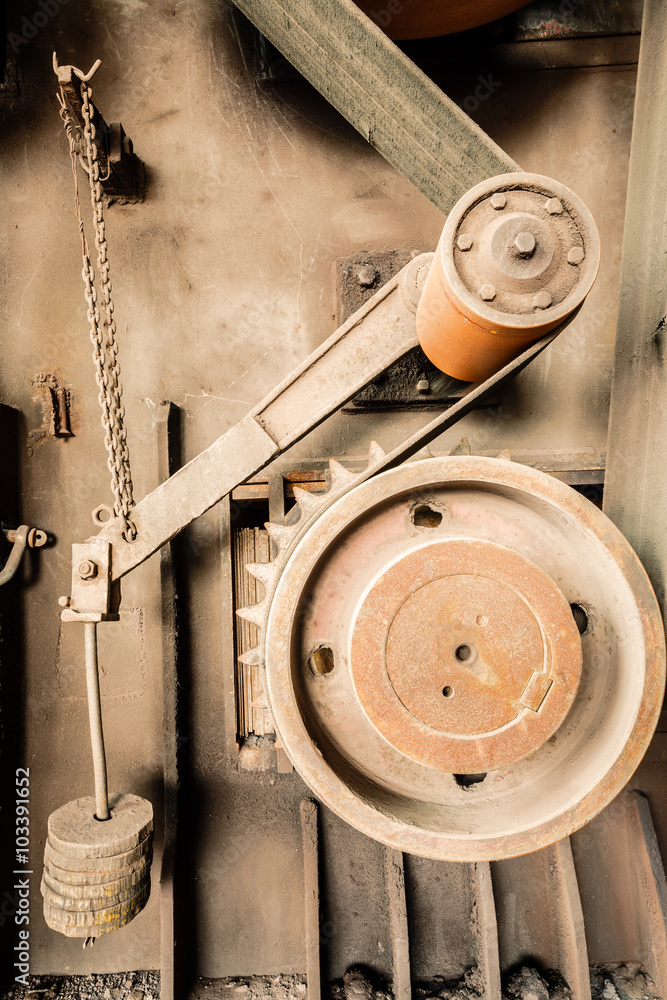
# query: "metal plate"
(465, 655)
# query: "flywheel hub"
(465, 655)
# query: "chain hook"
(84, 77)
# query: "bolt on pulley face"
(452, 649)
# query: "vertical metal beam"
(311, 896)
(539, 914)
(569, 920)
(167, 449)
(636, 476)
(623, 888)
(486, 929)
(398, 924)
(653, 887)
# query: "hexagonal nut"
(525, 243)
(542, 300)
(366, 275)
(88, 569)
(576, 255)
(498, 200)
(423, 385)
(487, 292)
(464, 241)
(554, 206)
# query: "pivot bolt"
(525, 244)
(498, 201)
(366, 276)
(63, 602)
(576, 255)
(88, 569)
(542, 300)
(554, 206)
(487, 292)
(464, 242)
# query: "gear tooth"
(261, 571)
(253, 613)
(306, 501)
(506, 455)
(280, 533)
(340, 476)
(462, 448)
(423, 453)
(376, 452)
(253, 657)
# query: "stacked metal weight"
(97, 873)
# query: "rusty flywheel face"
(465, 655)
(427, 673)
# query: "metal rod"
(398, 924)
(95, 718)
(311, 890)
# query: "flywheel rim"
(367, 800)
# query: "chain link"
(102, 322)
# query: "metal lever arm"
(376, 336)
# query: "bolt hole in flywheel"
(465, 658)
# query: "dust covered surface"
(622, 982)
(608, 982)
(250, 988)
(109, 986)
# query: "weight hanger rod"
(95, 717)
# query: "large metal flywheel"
(464, 656)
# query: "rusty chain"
(102, 323)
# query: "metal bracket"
(92, 596)
(122, 173)
(20, 539)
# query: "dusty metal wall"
(223, 281)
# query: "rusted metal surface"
(356, 770)
(517, 255)
(544, 19)
(449, 646)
